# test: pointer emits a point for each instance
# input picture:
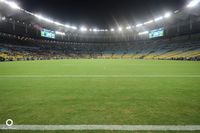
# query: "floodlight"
(83, 29)
(158, 19)
(167, 15)
(58, 23)
(3, 18)
(60, 33)
(112, 30)
(38, 16)
(43, 18)
(139, 25)
(143, 33)
(128, 27)
(148, 22)
(119, 28)
(48, 20)
(13, 5)
(2, 1)
(193, 3)
(29, 12)
(74, 27)
(95, 30)
(67, 26)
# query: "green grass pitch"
(105, 100)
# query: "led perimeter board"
(156, 33)
(48, 33)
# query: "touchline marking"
(99, 76)
(104, 127)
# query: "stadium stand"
(33, 49)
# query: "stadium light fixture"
(139, 25)
(13, 5)
(60, 33)
(100, 30)
(84, 29)
(95, 30)
(2, 1)
(67, 26)
(58, 23)
(48, 20)
(120, 29)
(168, 15)
(71, 27)
(43, 18)
(74, 27)
(3, 18)
(112, 29)
(143, 33)
(158, 19)
(193, 3)
(128, 27)
(28, 12)
(148, 22)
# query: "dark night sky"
(101, 13)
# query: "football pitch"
(100, 92)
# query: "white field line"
(99, 76)
(105, 127)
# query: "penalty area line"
(104, 127)
(99, 76)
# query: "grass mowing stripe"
(99, 76)
(104, 127)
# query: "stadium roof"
(11, 9)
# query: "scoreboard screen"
(48, 33)
(156, 33)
